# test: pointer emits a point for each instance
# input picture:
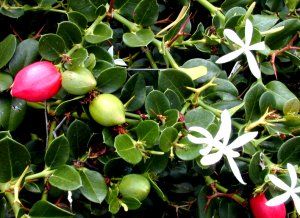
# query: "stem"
(14, 205)
(212, 9)
(94, 24)
(46, 172)
(213, 110)
(171, 59)
(130, 25)
(244, 159)
(150, 58)
(18, 184)
(132, 115)
(46, 125)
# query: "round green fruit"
(78, 81)
(134, 186)
(107, 110)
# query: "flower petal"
(225, 128)
(211, 159)
(120, 62)
(111, 51)
(231, 153)
(248, 32)
(278, 200)
(253, 65)
(230, 56)
(230, 34)
(296, 200)
(297, 190)
(258, 46)
(202, 131)
(278, 182)
(293, 175)
(235, 170)
(242, 140)
(205, 151)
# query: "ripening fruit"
(36, 82)
(107, 110)
(134, 186)
(261, 210)
(78, 81)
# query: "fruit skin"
(134, 186)
(261, 210)
(107, 110)
(78, 81)
(36, 82)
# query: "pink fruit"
(37, 82)
(261, 210)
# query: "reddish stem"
(289, 46)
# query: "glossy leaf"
(156, 103)
(199, 117)
(93, 185)
(146, 12)
(7, 49)
(26, 52)
(5, 81)
(101, 33)
(111, 79)
(126, 148)
(289, 151)
(147, 131)
(46, 209)
(51, 46)
(141, 38)
(70, 33)
(257, 172)
(58, 152)
(65, 178)
(167, 137)
(14, 158)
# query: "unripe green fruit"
(134, 186)
(78, 81)
(107, 110)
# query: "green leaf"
(126, 149)
(65, 178)
(13, 13)
(138, 39)
(252, 102)
(157, 189)
(14, 158)
(280, 39)
(264, 22)
(114, 205)
(291, 106)
(78, 18)
(5, 81)
(203, 211)
(167, 137)
(52, 46)
(93, 185)
(281, 93)
(78, 57)
(289, 151)
(7, 49)
(78, 136)
(156, 103)
(175, 101)
(147, 131)
(4, 134)
(291, 4)
(134, 87)
(3, 208)
(85, 7)
(199, 117)
(171, 117)
(228, 209)
(188, 151)
(45, 209)
(58, 152)
(12, 113)
(256, 173)
(176, 81)
(132, 203)
(26, 52)
(146, 12)
(70, 33)
(111, 79)
(126, 7)
(228, 4)
(101, 33)
(222, 86)
(266, 100)
(66, 105)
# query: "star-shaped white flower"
(223, 149)
(291, 191)
(245, 48)
(118, 61)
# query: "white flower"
(290, 191)
(223, 149)
(118, 61)
(246, 48)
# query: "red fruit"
(37, 82)
(261, 210)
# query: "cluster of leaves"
(171, 83)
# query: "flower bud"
(107, 110)
(261, 210)
(78, 81)
(37, 82)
